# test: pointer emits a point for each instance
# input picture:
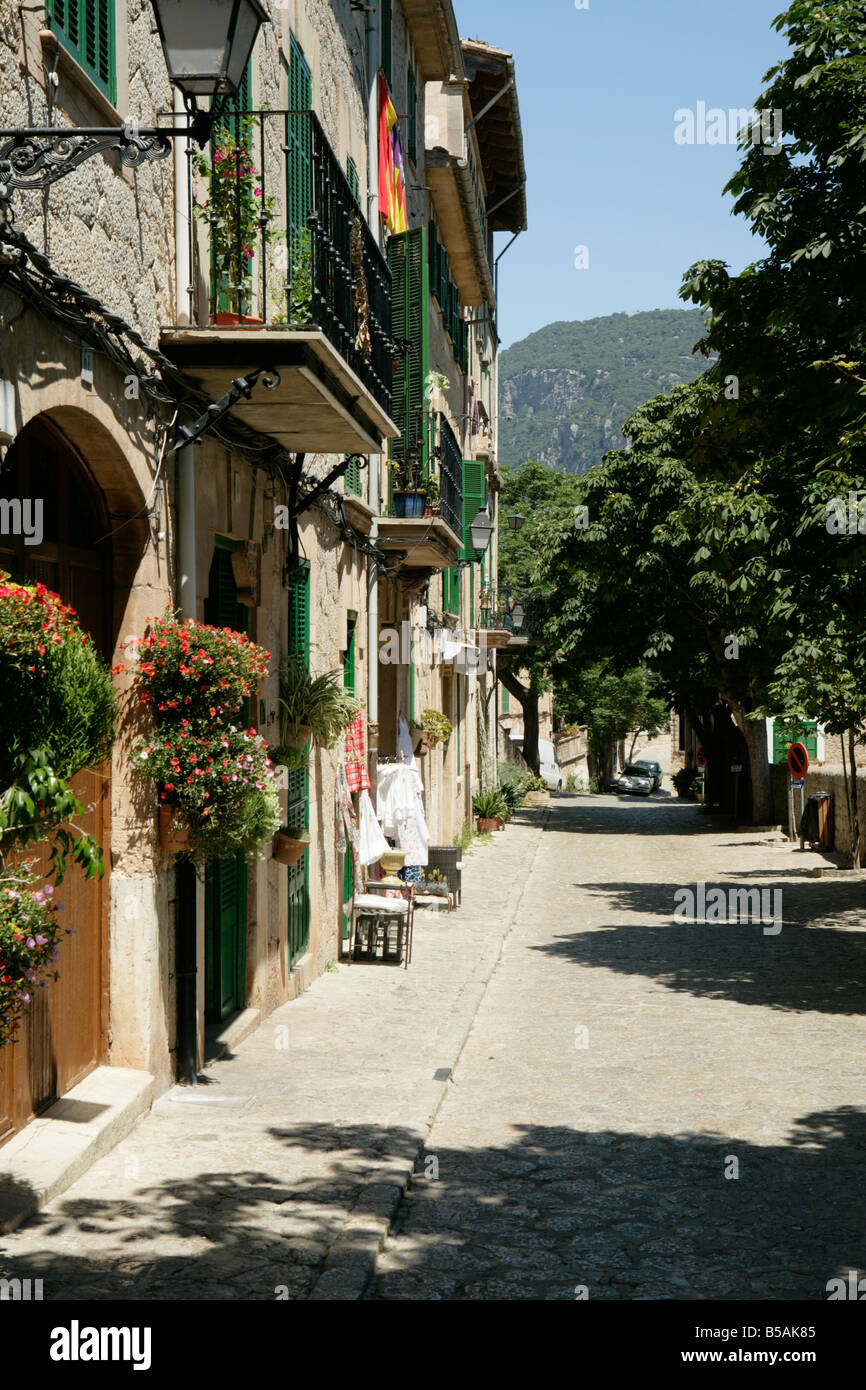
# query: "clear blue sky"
(598, 89)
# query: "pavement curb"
(47, 1157)
(351, 1261)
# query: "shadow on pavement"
(626, 1215)
(817, 961)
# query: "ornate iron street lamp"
(515, 521)
(207, 45)
(517, 616)
(480, 530)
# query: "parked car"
(548, 767)
(654, 768)
(636, 780)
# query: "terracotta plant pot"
(301, 738)
(288, 850)
(224, 319)
(173, 835)
(485, 826)
(537, 798)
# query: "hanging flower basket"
(289, 847)
(174, 835)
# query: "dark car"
(655, 769)
(636, 780)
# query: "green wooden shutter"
(298, 781)
(299, 613)
(474, 492)
(385, 28)
(352, 176)
(407, 258)
(300, 165)
(506, 701)
(353, 484)
(85, 28)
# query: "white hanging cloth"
(404, 743)
(400, 808)
(373, 843)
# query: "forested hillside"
(566, 390)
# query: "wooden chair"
(373, 913)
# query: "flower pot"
(421, 749)
(432, 509)
(486, 826)
(300, 737)
(408, 504)
(173, 835)
(537, 798)
(288, 850)
(224, 319)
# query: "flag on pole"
(392, 173)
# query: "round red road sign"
(798, 760)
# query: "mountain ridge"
(570, 386)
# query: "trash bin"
(817, 823)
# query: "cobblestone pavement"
(281, 1171)
(623, 1067)
(607, 1065)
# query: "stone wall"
(827, 778)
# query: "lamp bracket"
(37, 156)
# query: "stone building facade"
(128, 272)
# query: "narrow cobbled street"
(597, 1100)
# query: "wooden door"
(63, 1036)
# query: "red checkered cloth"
(355, 746)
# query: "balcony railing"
(450, 478)
(284, 242)
(496, 609)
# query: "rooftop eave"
(451, 184)
(435, 37)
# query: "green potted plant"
(408, 489)
(290, 843)
(490, 809)
(432, 497)
(687, 782)
(313, 709)
(237, 216)
(434, 727)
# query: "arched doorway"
(68, 549)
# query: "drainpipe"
(495, 404)
(373, 467)
(186, 926)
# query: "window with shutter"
(298, 781)
(407, 258)
(474, 493)
(353, 484)
(299, 138)
(85, 28)
(352, 176)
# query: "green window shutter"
(349, 660)
(353, 484)
(385, 33)
(299, 613)
(451, 590)
(412, 123)
(407, 258)
(474, 491)
(85, 28)
(506, 701)
(352, 176)
(299, 144)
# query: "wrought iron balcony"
(499, 610)
(288, 274)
